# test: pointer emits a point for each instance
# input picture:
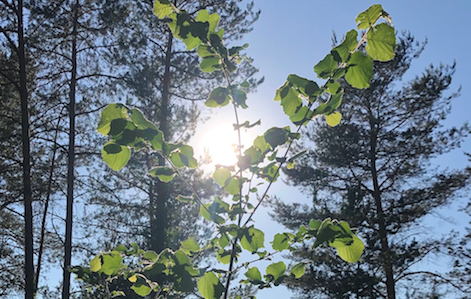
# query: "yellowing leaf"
(133, 278)
(333, 119)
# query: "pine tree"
(164, 81)
(373, 170)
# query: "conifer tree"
(373, 170)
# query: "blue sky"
(292, 36)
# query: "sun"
(219, 142)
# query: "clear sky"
(292, 36)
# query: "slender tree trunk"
(385, 250)
(160, 223)
(70, 162)
(27, 194)
(46, 206)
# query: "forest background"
(303, 38)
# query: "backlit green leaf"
(343, 51)
(298, 270)
(110, 113)
(151, 255)
(333, 119)
(112, 262)
(281, 241)
(224, 256)
(141, 287)
(212, 19)
(253, 274)
(165, 174)
(210, 64)
(239, 97)
(95, 263)
(350, 252)
(115, 155)
(367, 18)
(210, 287)
(334, 102)
(190, 246)
(360, 70)
(276, 136)
(252, 239)
(219, 97)
(276, 270)
(381, 42)
(325, 68)
(221, 175)
(162, 8)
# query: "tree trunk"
(46, 206)
(160, 221)
(385, 251)
(70, 162)
(27, 194)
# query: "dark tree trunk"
(159, 190)
(27, 194)
(70, 162)
(385, 250)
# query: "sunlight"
(218, 142)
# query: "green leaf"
(360, 70)
(333, 119)
(333, 103)
(276, 270)
(276, 136)
(333, 87)
(190, 246)
(183, 157)
(205, 51)
(302, 116)
(95, 263)
(270, 172)
(185, 199)
(151, 255)
(211, 19)
(223, 240)
(381, 42)
(117, 126)
(325, 68)
(252, 239)
(140, 121)
(110, 113)
(298, 270)
(209, 286)
(224, 256)
(221, 175)
(290, 101)
(315, 224)
(232, 186)
(281, 241)
(141, 287)
(305, 86)
(165, 174)
(343, 51)
(219, 97)
(115, 155)
(120, 248)
(369, 17)
(112, 263)
(210, 64)
(254, 274)
(239, 97)
(162, 8)
(350, 252)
